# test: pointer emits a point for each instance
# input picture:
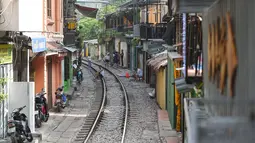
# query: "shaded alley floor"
(62, 127)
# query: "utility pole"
(147, 20)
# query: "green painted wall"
(66, 85)
(68, 82)
(170, 93)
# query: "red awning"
(87, 11)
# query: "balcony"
(151, 31)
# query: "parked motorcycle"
(79, 77)
(18, 128)
(60, 99)
(41, 111)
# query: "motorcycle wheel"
(38, 122)
(58, 108)
(46, 118)
(29, 135)
(13, 139)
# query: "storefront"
(158, 64)
(227, 29)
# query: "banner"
(38, 44)
(5, 54)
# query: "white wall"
(23, 15)
(117, 40)
(19, 97)
(123, 46)
(30, 15)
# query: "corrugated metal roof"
(70, 49)
(155, 48)
(157, 62)
(87, 11)
(94, 41)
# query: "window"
(49, 8)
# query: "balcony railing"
(153, 31)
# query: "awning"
(191, 6)
(70, 49)
(175, 56)
(55, 47)
(87, 11)
(182, 86)
(169, 48)
(160, 60)
(93, 41)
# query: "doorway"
(128, 55)
(49, 81)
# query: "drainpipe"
(45, 74)
(45, 29)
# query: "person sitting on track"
(138, 75)
(99, 73)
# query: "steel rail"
(125, 96)
(100, 110)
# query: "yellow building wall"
(161, 88)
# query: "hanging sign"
(5, 54)
(38, 44)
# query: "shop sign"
(5, 54)
(38, 44)
(222, 56)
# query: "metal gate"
(5, 71)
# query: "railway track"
(107, 123)
(94, 115)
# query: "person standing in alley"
(121, 57)
(79, 60)
(89, 64)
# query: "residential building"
(47, 66)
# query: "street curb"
(37, 135)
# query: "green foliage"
(3, 81)
(88, 28)
(106, 10)
(135, 41)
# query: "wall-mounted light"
(200, 18)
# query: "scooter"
(18, 128)
(60, 99)
(79, 77)
(41, 111)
